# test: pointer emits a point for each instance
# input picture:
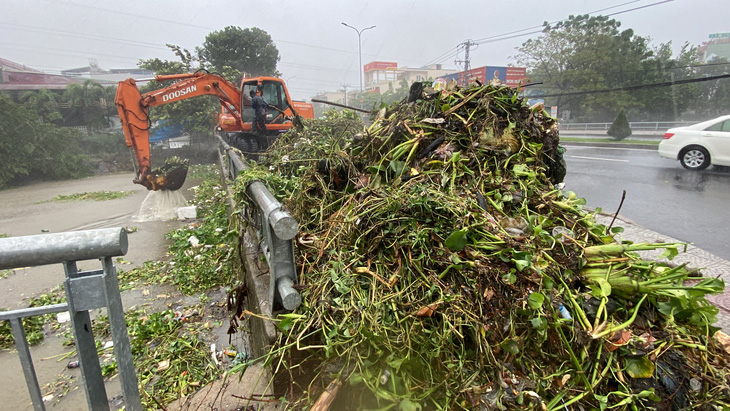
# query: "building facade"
(717, 46)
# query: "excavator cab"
(274, 93)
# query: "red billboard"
(380, 65)
(510, 76)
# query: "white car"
(699, 145)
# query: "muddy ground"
(31, 210)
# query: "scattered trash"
(73, 364)
(163, 365)
(564, 312)
(63, 317)
(187, 213)
(212, 354)
(194, 242)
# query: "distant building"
(717, 46)
(379, 75)
(107, 77)
(19, 77)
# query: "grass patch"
(96, 196)
(33, 325)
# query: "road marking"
(599, 158)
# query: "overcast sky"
(317, 52)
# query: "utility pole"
(467, 61)
(344, 86)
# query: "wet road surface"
(691, 206)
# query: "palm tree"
(44, 102)
(86, 104)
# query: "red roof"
(16, 76)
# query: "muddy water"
(31, 210)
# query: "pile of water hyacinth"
(441, 266)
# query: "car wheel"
(694, 158)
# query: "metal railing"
(275, 228)
(635, 126)
(85, 290)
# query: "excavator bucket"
(168, 177)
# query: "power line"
(514, 34)
(600, 73)
(556, 21)
(639, 87)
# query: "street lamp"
(359, 50)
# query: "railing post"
(26, 361)
(120, 337)
(85, 346)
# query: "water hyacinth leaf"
(397, 166)
(522, 170)
(601, 288)
(535, 300)
(456, 241)
(510, 346)
(355, 379)
(522, 260)
(669, 253)
(539, 323)
(639, 367)
(617, 230)
(408, 405)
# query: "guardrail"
(85, 290)
(635, 126)
(275, 228)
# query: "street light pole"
(359, 51)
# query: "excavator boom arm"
(134, 107)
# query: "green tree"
(620, 129)
(31, 148)
(44, 102)
(585, 53)
(238, 51)
(194, 114)
(714, 96)
(667, 103)
(89, 106)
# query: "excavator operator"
(260, 108)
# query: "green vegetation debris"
(96, 196)
(442, 268)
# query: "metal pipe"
(290, 297)
(54, 248)
(284, 225)
(316, 100)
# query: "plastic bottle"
(564, 312)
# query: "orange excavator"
(234, 121)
